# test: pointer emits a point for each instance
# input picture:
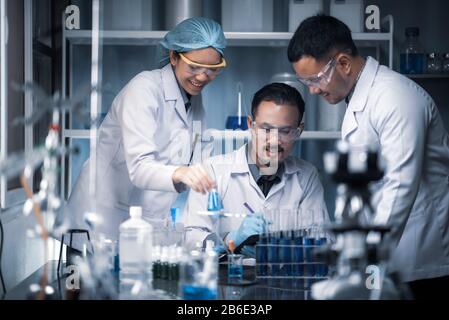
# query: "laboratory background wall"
(252, 65)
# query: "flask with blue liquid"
(214, 203)
(237, 121)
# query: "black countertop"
(250, 289)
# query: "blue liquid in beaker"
(235, 272)
(192, 292)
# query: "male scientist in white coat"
(146, 143)
(260, 176)
(390, 111)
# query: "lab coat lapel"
(349, 124)
(241, 167)
(359, 98)
(276, 187)
(172, 92)
(289, 169)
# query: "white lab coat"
(144, 138)
(392, 112)
(300, 189)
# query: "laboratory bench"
(250, 289)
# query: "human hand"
(195, 177)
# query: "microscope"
(358, 254)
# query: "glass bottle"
(412, 57)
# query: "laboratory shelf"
(134, 37)
(221, 134)
(76, 133)
(428, 76)
(240, 135)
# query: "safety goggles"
(211, 70)
(285, 134)
(321, 79)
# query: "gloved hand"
(251, 225)
(248, 251)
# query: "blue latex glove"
(248, 251)
(251, 225)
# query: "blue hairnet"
(192, 34)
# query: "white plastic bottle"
(135, 244)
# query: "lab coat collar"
(241, 163)
(360, 96)
(170, 84)
(172, 92)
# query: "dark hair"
(281, 94)
(318, 36)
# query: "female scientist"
(147, 141)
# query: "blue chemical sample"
(273, 255)
(298, 257)
(412, 63)
(285, 255)
(412, 56)
(262, 256)
(308, 248)
(235, 271)
(235, 265)
(321, 268)
(214, 201)
(192, 292)
(234, 123)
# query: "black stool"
(71, 232)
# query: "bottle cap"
(135, 212)
(231, 246)
(412, 32)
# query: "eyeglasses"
(321, 79)
(286, 134)
(211, 70)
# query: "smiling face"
(272, 146)
(192, 83)
(340, 81)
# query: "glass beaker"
(199, 275)
(235, 267)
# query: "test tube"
(322, 268)
(309, 243)
(273, 241)
(285, 254)
(298, 254)
(261, 254)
